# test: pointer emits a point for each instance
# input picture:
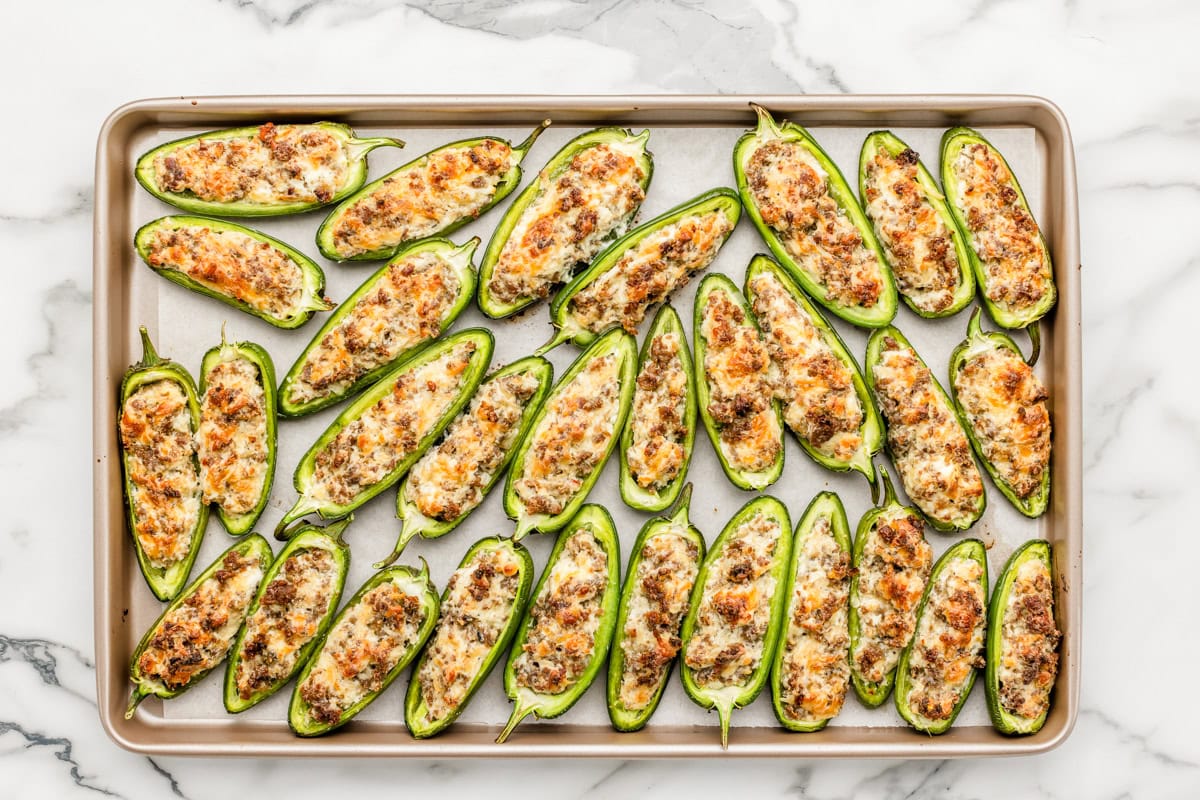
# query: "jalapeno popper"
(643, 268)
(565, 633)
(925, 436)
(194, 633)
(163, 491)
(736, 609)
(380, 435)
(259, 171)
(584, 196)
(937, 669)
(432, 195)
(928, 254)
(375, 636)
(734, 386)
(481, 607)
(407, 303)
(826, 403)
(658, 586)
(808, 216)
(243, 268)
(810, 673)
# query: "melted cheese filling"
(1028, 643)
(656, 448)
(232, 441)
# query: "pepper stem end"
(337, 528)
(285, 530)
(561, 335)
(411, 528)
(524, 146)
(1035, 340)
(724, 712)
(679, 514)
(519, 713)
(360, 147)
(135, 699)
(889, 491)
(150, 356)
(525, 523)
(974, 328)
(766, 123)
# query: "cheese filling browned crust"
(815, 665)
(368, 448)
(403, 309)
(656, 448)
(927, 444)
(737, 369)
(479, 603)
(892, 572)
(1028, 643)
(156, 435)
(232, 441)
(663, 583)
(726, 645)
(655, 267)
(568, 221)
(916, 239)
(448, 481)
(1005, 406)
(450, 184)
(565, 617)
(287, 618)
(284, 163)
(791, 190)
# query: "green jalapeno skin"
(617, 342)
(721, 200)
(728, 698)
(304, 477)
(871, 429)
(307, 537)
(300, 719)
(750, 481)
(459, 259)
(953, 142)
(825, 505)
(595, 520)
(493, 307)
(415, 709)
(355, 177)
(769, 130)
(508, 182)
(238, 524)
(143, 687)
(1003, 721)
(166, 582)
(413, 522)
(978, 341)
(967, 548)
(874, 355)
(313, 278)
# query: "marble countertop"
(1126, 76)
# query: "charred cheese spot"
(232, 442)
(1028, 643)
(656, 450)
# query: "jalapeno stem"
(525, 523)
(519, 713)
(305, 505)
(135, 699)
(524, 146)
(413, 524)
(150, 356)
(679, 514)
(561, 335)
(360, 147)
(1035, 340)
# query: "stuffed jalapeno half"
(375, 636)
(808, 215)
(407, 303)
(925, 437)
(585, 196)
(656, 444)
(259, 170)
(892, 561)
(456, 474)
(481, 607)
(432, 195)
(572, 436)
(734, 386)
(810, 673)
(1002, 404)
(292, 610)
(565, 632)
(937, 669)
(243, 268)
(236, 439)
(1022, 641)
(928, 254)
(735, 614)
(658, 586)
(381, 434)
(164, 495)
(824, 399)
(643, 268)
(1008, 252)
(194, 633)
